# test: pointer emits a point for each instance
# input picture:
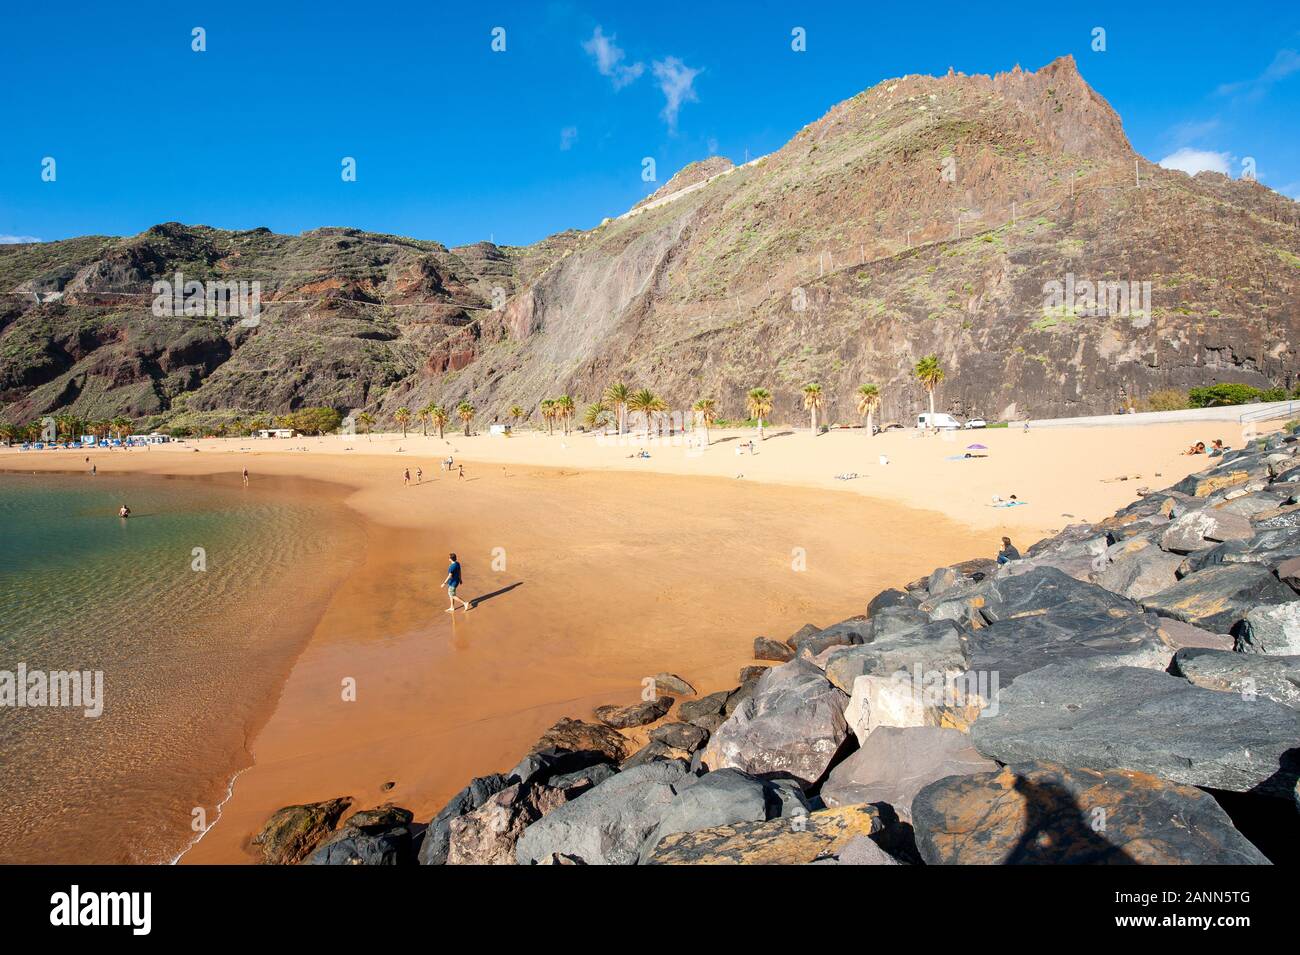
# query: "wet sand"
(597, 577)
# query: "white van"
(937, 420)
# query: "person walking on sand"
(245, 477)
(462, 470)
(94, 470)
(419, 475)
(452, 582)
(406, 476)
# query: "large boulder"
(540, 767)
(793, 725)
(437, 835)
(1012, 647)
(1048, 590)
(803, 633)
(1271, 629)
(952, 699)
(1144, 720)
(890, 598)
(845, 633)
(893, 619)
(579, 736)
(1231, 474)
(1219, 597)
(607, 824)
(795, 840)
(691, 710)
(1205, 528)
(860, 850)
(638, 714)
(671, 683)
(379, 836)
(488, 835)
(765, 648)
(1270, 548)
(1250, 675)
(724, 797)
(929, 647)
(1047, 814)
(291, 833)
(894, 763)
(1179, 635)
(684, 736)
(1140, 572)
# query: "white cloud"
(677, 81)
(17, 239)
(568, 136)
(1192, 161)
(609, 58)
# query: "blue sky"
(456, 142)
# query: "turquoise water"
(192, 609)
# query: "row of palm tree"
(619, 400)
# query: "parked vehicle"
(939, 420)
(976, 423)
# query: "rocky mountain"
(966, 216)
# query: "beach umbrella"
(976, 447)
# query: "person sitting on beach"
(124, 511)
(1197, 448)
(1217, 448)
(452, 582)
(1008, 552)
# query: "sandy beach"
(593, 568)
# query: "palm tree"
(594, 415)
(439, 416)
(868, 402)
(616, 397)
(566, 409)
(7, 432)
(425, 413)
(465, 411)
(516, 413)
(648, 403)
(707, 410)
(121, 427)
(758, 402)
(548, 413)
(813, 400)
(403, 416)
(929, 374)
(366, 420)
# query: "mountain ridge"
(924, 215)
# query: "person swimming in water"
(124, 511)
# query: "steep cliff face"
(964, 216)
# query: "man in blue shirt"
(452, 582)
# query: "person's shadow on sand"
(496, 593)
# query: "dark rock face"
(1048, 589)
(793, 726)
(1249, 675)
(540, 767)
(768, 649)
(1047, 814)
(380, 836)
(895, 763)
(845, 633)
(690, 710)
(1014, 647)
(1144, 720)
(578, 736)
(1218, 598)
(799, 636)
(293, 832)
(607, 824)
(890, 598)
(638, 714)
(722, 798)
(437, 836)
(683, 736)
(796, 840)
